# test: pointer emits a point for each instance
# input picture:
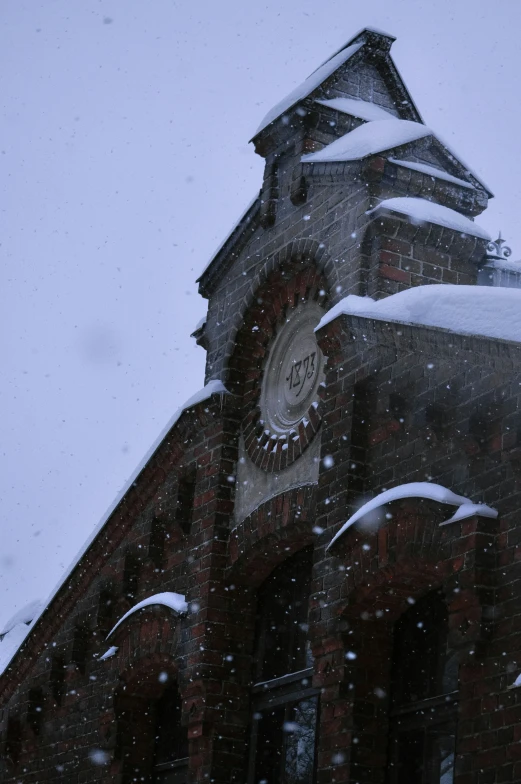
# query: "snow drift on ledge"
(364, 110)
(468, 310)
(174, 601)
(429, 490)
(425, 211)
(369, 139)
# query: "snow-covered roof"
(468, 310)
(365, 110)
(369, 139)
(425, 211)
(312, 82)
(213, 387)
(174, 601)
(429, 490)
(432, 170)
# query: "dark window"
(105, 610)
(57, 678)
(131, 575)
(80, 647)
(284, 704)
(364, 405)
(151, 742)
(424, 696)
(13, 742)
(170, 740)
(437, 419)
(185, 500)
(156, 545)
(35, 710)
(398, 407)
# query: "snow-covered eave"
(211, 271)
(420, 490)
(388, 321)
(398, 208)
(213, 387)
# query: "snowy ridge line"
(487, 311)
(428, 490)
(213, 387)
(313, 81)
(228, 236)
(174, 601)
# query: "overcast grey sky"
(124, 162)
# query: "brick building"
(225, 624)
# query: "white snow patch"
(200, 323)
(516, 684)
(312, 82)
(424, 211)
(471, 510)
(174, 601)
(365, 110)
(27, 614)
(433, 171)
(468, 310)
(10, 644)
(369, 139)
(428, 490)
(108, 654)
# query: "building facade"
(316, 576)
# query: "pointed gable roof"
(368, 42)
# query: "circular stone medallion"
(293, 371)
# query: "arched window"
(424, 694)
(284, 704)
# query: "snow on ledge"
(174, 601)
(424, 211)
(364, 110)
(471, 510)
(432, 170)
(369, 139)
(428, 490)
(516, 684)
(108, 654)
(493, 312)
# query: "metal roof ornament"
(497, 250)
